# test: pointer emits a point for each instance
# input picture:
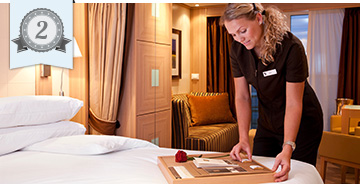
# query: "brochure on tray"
(207, 162)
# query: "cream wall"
(13, 82)
(181, 21)
(56, 81)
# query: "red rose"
(180, 156)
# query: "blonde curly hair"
(275, 26)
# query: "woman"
(270, 58)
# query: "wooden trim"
(343, 174)
(344, 165)
(215, 11)
(183, 5)
(323, 165)
(341, 162)
(78, 76)
(178, 32)
(285, 7)
(208, 5)
(252, 177)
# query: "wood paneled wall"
(198, 48)
(78, 76)
(43, 85)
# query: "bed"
(59, 152)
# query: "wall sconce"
(45, 70)
(76, 54)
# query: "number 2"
(42, 30)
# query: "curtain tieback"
(100, 119)
(102, 126)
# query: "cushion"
(12, 139)
(210, 109)
(88, 144)
(197, 93)
(32, 110)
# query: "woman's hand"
(283, 160)
(293, 110)
(242, 146)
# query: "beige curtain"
(106, 46)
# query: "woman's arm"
(293, 110)
(296, 70)
(243, 107)
(243, 113)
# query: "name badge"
(269, 73)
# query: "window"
(299, 27)
(298, 24)
(254, 108)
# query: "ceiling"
(192, 5)
(286, 7)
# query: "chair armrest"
(335, 123)
(181, 120)
(340, 146)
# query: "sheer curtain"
(323, 49)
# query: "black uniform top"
(290, 65)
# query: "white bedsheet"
(134, 165)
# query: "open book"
(207, 162)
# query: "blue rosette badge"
(41, 30)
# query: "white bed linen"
(134, 166)
(15, 138)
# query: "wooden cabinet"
(145, 108)
(155, 126)
(153, 22)
(153, 77)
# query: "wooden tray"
(249, 176)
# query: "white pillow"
(12, 139)
(31, 110)
(88, 144)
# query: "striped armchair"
(214, 137)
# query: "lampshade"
(76, 51)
